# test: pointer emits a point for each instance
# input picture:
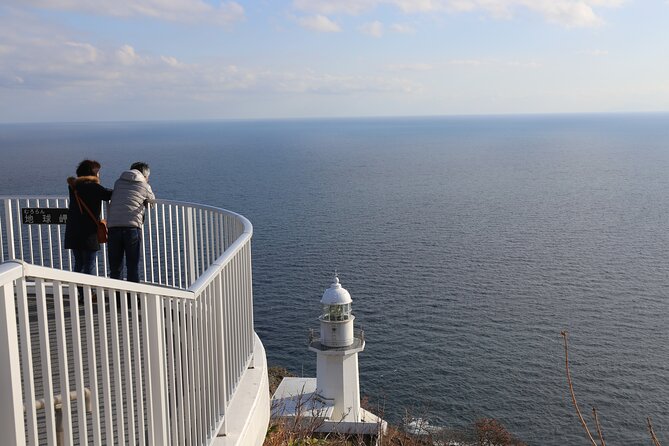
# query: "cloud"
(469, 62)
(351, 7)
(126, 55)
(522, 64)
(311, 82)
(171, 61)
(608, 3)
(570, 13)
(494, 62)
(410, 67)
(44, 59)
(82, 52)
(594, 53)
(402, 28)
(319, 23)
(184, 11)
(374, 29)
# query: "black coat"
(81, 232)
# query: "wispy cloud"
(312, 82)
(319, 23)
(352, 7)
(403, 29)
(524, 64)
(184, 11)
(570, 13)
(494, 62)
(126, 55)
(470, 62)
(48, 60)
(171, 61)
(410, 67)
(594, 53)
(374, 29)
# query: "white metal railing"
(181, 240)
(161, 359)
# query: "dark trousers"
(84, 261)
(124, 242)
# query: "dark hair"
(87, 168)
(142, 167)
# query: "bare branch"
(571, 389)
(653, 437)
(599, 427)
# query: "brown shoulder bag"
(102, 224)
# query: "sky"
(138, 60)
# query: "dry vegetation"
(484, 432)
(302, 432)
(595, 414)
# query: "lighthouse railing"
(91, 358)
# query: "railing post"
(220, 338)
(157, 381)
(11, 421)
(190, 245)
(11, 250)
(248, 273)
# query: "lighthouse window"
(336, 312)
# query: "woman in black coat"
(81, 231)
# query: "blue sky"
(96, 60)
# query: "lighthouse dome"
(336, 294)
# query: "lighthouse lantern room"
(336, 318)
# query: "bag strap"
(81, 203)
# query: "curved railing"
(180, 240)
(89, 358)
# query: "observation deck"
(173, 360)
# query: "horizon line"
(341, 118)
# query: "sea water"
(467, 244)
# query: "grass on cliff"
(302, 432)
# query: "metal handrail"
(176, 344)
(103, 282)
(181, 239)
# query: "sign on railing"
(44, 216)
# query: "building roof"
(298, 397)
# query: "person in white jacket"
(132, 194)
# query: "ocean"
(466, 243)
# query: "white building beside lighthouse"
(334, 395)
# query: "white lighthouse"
(337, 350)
(332, 399)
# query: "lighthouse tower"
(337, 381)
(331, 400)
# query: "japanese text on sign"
(43, 216)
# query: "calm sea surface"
(467, 244)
